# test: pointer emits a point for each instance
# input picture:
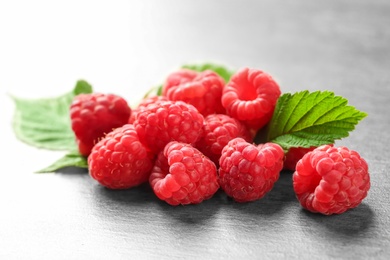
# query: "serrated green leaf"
(72, 159)
(305, 119)
(222, 71)
(45, 123)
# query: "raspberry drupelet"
(294, 154)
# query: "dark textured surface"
(341, 46)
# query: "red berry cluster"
(198, 137)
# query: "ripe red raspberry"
(119, 160)
(143, 104)
(183, 175)
(94, 115)
(165, 121)
(251, 96)
(218, 130)
(294, 154)
(331, 180)
(203, 90)
(247, 172)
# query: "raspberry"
(251, 96)
(165, 121)
(143, 104)
(94, 115)
(247, 172)
(294, 154)
(331, 180)
(183, 175)
(218, 130)
(203, 90)
(119, 160)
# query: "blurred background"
(127, 47)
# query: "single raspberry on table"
(331, 180)
(203, 90)
(162, 122)
(183, 175)
(94, 115)
(250, 96)
(143, 104)
(120, 160)
(247, 172)
(218, 130)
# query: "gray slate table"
(342, 46)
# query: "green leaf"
(154, 91)
(222, 71)
(73, 159)
(82, 87)
(305, 119)
(45, 123)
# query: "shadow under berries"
(193, 213)
(140, 195)
(348, 226)
(273, 202)
(134, 201)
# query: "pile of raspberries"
(198, 137)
